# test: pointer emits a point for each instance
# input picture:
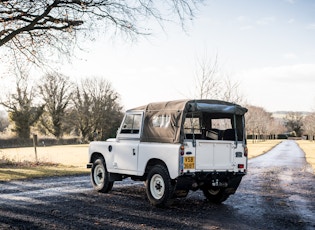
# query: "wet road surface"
(279, 188)
(277, 193)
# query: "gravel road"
(277, 193)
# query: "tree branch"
(25, 20)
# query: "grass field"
(19, 163)
(260, 147)
(309, 149)
(74, 155)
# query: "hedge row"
(18, 142)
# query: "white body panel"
(131, 157)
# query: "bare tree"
(309, 126)
(294, 123)
(231, 91)
(206, 78)
(22, 111)
(55, 90)
(82, 112)
(4, 121)
(276, 127)
(258, 123)
(28, 25)
(96, 109)
(212, 84)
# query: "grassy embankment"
(309, 149)
(20, 163)
(260, 147)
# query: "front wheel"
(215, 195)
(159, 186)
(100, 177)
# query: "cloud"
(291, 21)
(290, 1)
(265, 21)
(242, 18)
(290, 56)
(311, 26)
(277, 88)
(244, 22)
(248, 27)
(300, 73)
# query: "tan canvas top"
(165, 105)
(163, 120)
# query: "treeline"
(261, 124)
(90, 110)
(57, 106)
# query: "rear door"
(214, 155)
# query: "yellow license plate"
(189, 162)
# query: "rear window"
(213, 126)
(223, 123)
(192, 125)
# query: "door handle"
(133, 152)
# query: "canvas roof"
(204, 105)
(172, 113)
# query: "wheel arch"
(95, 156)
(152, 162)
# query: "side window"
(131, 124)
(162, 121)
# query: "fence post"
(35, 144)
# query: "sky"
(267, 46)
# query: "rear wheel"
(100, 177)
(215, 195)
(159, 186)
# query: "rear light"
(181, 159)
(245, 151)
(240, 166)
(181, 150)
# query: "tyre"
(216, 196)
(159, 188)
(100, 177)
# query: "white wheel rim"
(157, 186)
(99, 174)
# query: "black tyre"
(159, 186)
(216, 196)
(100, 177)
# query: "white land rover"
(175, 147)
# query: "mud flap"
(233, 184)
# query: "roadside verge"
(20, 163)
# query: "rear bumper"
(202, 180)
